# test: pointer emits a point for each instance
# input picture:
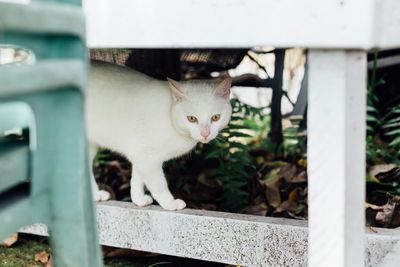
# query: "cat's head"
(201, 108)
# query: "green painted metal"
(43, 18)
(47, 97)
(63, 72)
(16, 155)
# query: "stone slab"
(216, 236)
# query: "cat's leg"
(98, 195)
(154, 179)
(137, 190)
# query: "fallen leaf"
(293, 194)
(43, 256)
(260, 210)
(260, 160)
(294, 216)
(286, 206)
(288, 172)
(373, 207)
(385, 216)
(276, 163)
(204, 180)
(112, 252)
(272, 182)
(372, 179)
(9, 241)
(299, 178)
(381, 168)
(302, 162)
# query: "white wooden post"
(336, 155)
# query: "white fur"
(146, 120)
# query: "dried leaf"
(288, 172)
(382, 168)
(302, 162)
(43, 256)
(373, 207)
(112, 252)
(299, 178)
(204, 180)
(124, 186)
(260, 160)
(294, 216)
(9, 241)
(285, 206)
(260, 210)
(272, 182)
(385, 216)
(293, 194)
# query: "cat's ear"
(223, 88)
(178, 92)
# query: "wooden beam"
(239, 23)
(336, 157)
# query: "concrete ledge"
(216, 236)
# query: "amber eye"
(191, 119)
(216, 117)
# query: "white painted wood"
(241, 23)
(386, 24)
(336, 157)
(215, 236)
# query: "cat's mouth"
(204, 140)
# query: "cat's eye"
(216, 117)
(191, 119)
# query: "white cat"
(151, 121)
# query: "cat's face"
(201, 108)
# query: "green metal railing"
(44, 175)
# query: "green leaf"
(214, 154)
(238, 145)
(395, 142)
(394, 132)
(397, 119)
(372, 179)
(240, 134)
(391, 125)
(237, 127)
(372, 118)
(371, 109)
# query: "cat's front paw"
(176, 204)
(101, 195)
(142, 201)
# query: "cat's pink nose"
(205, 134)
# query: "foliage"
(391, 125)
(383, 131)
(295, 140)
(232, 170)
(383, 156)
(233, 154)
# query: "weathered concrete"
(216, 236)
